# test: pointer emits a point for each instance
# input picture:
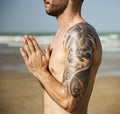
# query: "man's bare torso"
(57, 67)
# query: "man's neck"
(69, 18)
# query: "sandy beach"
(21, 93)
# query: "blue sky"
(30, 16)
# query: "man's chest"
(57, 59)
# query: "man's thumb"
(47, 52)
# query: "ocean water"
(110, 41)
(9, 43)
(110, 44)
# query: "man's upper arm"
(79, 46)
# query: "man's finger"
(30, 44)
(24, 55)
(36, 45)
(26, 47)
(47, 52)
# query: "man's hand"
(36, 61)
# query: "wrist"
(41, 74)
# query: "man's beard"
(56, 12)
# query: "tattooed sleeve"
(79, 44)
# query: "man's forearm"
(54, 88)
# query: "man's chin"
(52, 13)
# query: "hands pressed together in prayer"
(36, 61)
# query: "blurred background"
(20, 93)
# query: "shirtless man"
(69, 65)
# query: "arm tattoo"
(79, 44)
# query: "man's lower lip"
(46, 2)
(46, 5)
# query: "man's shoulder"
(83, 34)
(82, 28)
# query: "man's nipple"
(52, 70)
